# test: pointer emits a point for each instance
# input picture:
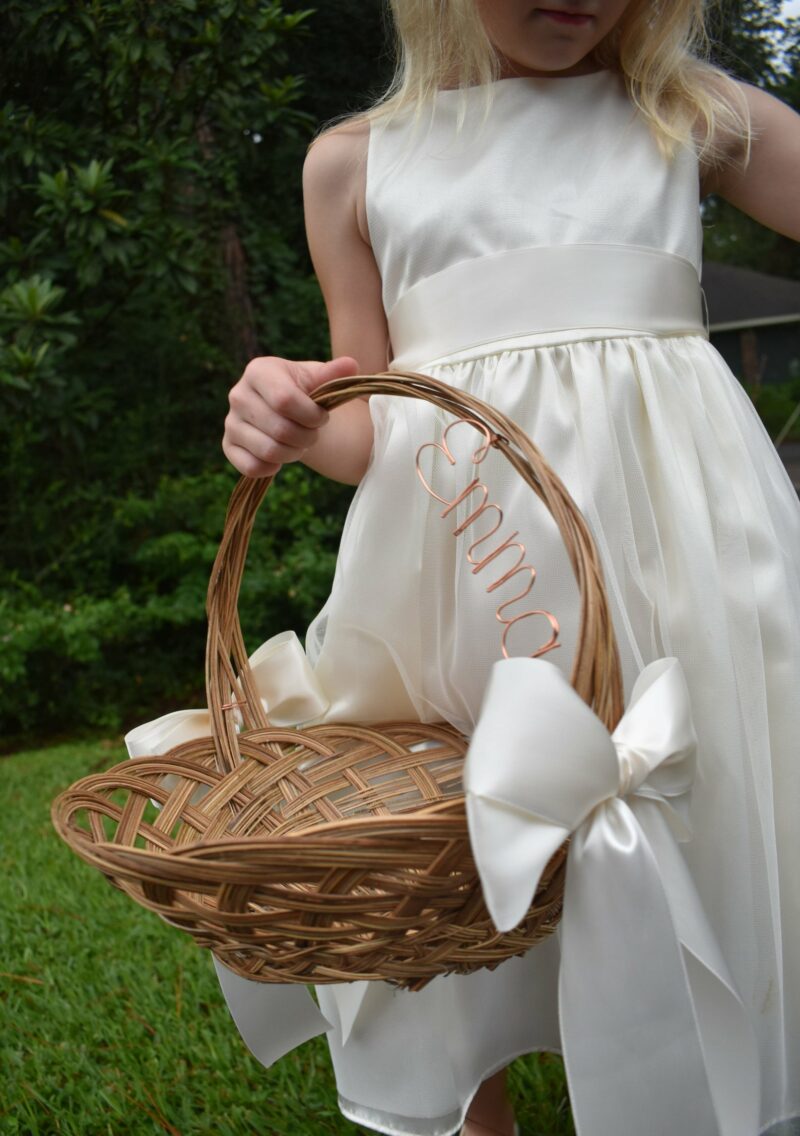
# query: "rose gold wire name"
(478, 492)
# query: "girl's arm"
(272, 420)
(768, 189)
(334, 194)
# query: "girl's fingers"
(310, 375)
(281, 430)
(246, 463)
(265, 447)
(279, 384)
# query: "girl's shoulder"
(335, 167)
(339, 147)
(758, 169)
(765, 114)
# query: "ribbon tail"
(349, 999)
(289, 689)
(169, 730)
(640, 1011)
(511, 849)
(287, 686)
(727, 1039)
(272, 1018)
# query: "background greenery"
(151, 242)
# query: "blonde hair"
(660, 48)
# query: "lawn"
(112, 1023)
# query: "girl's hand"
(271, 419)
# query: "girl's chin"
(564, 59)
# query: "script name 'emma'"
(477, 494)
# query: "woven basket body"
(339, 852)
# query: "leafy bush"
(111, 658)
(148, 247)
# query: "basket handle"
(596, 674)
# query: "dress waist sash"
(548, 288)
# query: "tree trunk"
(238, 305)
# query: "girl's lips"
(574, 18)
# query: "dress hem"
(783, 1126)
(451, 1123)
(442, 1126)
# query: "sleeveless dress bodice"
(524, 163)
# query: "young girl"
(520, 218)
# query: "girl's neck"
(535, 77)
(509, 70)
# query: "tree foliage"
(145, 254)
(745, 34)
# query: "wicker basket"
(340, 852)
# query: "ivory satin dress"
(546, 259)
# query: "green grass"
(113, 1024)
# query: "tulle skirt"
(698, 529)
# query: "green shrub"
(150, 244)
(111, 657)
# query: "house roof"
(742, 297)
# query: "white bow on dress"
(655, 1038)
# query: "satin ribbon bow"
(655, 1038)
(287, 686)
